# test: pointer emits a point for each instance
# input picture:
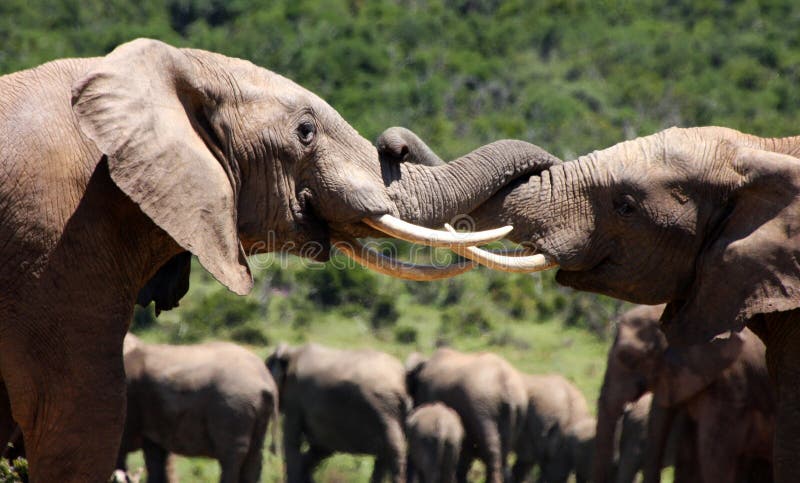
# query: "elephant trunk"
(432, 196)
(605, 440)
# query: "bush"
(384, 312)
(465, 321)
(405, 334)
(14, 471)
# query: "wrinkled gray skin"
(722, 386)
(114, 166)
(705, 219)
(554, 405)
(348, 401)
(487, 393)
(214, 400)
(435, 435)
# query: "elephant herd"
(708, 414)
(116, 170)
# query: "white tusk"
(436, 238)
(531, 263)
(376, 261)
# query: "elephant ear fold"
(144, 106)
(685, 372)
(751, 265)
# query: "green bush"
(13, 471)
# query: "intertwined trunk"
(435, 195)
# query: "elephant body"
(114, 167)
(214, 400)
(435, 435)
(487, 393)
(554, 406)
(349, 401)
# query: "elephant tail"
(275, 418)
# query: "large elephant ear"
(752, 265)
(687, 371)
(144, 106)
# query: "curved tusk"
(376, 261)
(526, 264)
(436, 238)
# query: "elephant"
(489, 396)
(724, 391)
(554, 405)
(704, 219)
(214, 400)
(351, 401)
(434, 433)
(116, 168)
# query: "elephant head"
(704, 219)
(229, 158)
(278, 365)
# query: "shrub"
(405, 334)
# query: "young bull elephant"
(705, 219)
(349, 401)
(487, 393)
(214, 400)
(554, 406)
(435, 434)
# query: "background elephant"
(487, 393)
(723, 389)
(114, 167)
(214, 400)
(704, 219)
(435, 435)
(350, 401)
(554, 406)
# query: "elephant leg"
(465, 461)
(687, 464)
(155, 460)
(379, 470)
(8, 427)
(489, 449)
(68, 397)
(311, 460)
(292, 442)
(253, 460)
(395, 454)
(522, 467)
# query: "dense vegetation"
(569, 75)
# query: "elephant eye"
(625, 206)
(306, 132)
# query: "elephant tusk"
(504, 262)
(376, 261)
(436, 238)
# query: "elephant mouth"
(320, 236)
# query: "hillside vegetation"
(569, 75)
